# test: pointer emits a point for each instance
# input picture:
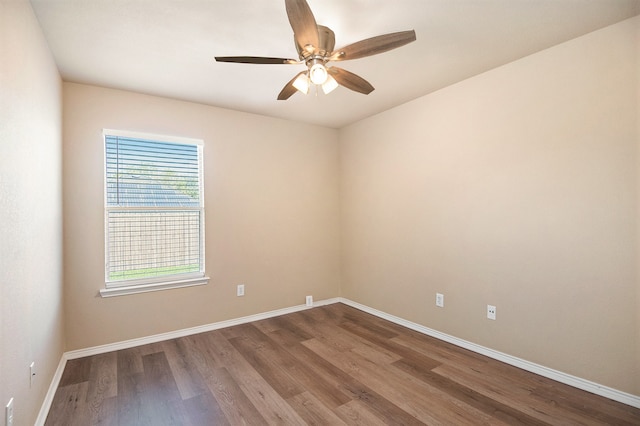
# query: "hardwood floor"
(330, 365)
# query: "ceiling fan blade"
(303, 23)
(373, 45)
(350, 80)
(255, 60)
(288, 89)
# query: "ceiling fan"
(315, 45)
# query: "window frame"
(165, 282)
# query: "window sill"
(145, 288)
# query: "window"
(154, 213)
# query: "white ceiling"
(167, 47)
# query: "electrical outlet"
(440, 300)
(309, 300)
(8, 418)
(32, 373)
(240, 290)
(491, 312)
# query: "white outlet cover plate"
(440, 300)
(491, 312)
(9, 413)
(32, 371)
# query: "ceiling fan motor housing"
(326, 43)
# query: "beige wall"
(516, 188)
(271, 200)
(31, 319)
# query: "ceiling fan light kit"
(315, 45)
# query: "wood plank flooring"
(331, 365)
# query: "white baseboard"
(559, 376)
(48, 398)
(577, 382)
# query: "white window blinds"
(154, 210)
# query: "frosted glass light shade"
(302, 83)
(329, 85)
(318, 74)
